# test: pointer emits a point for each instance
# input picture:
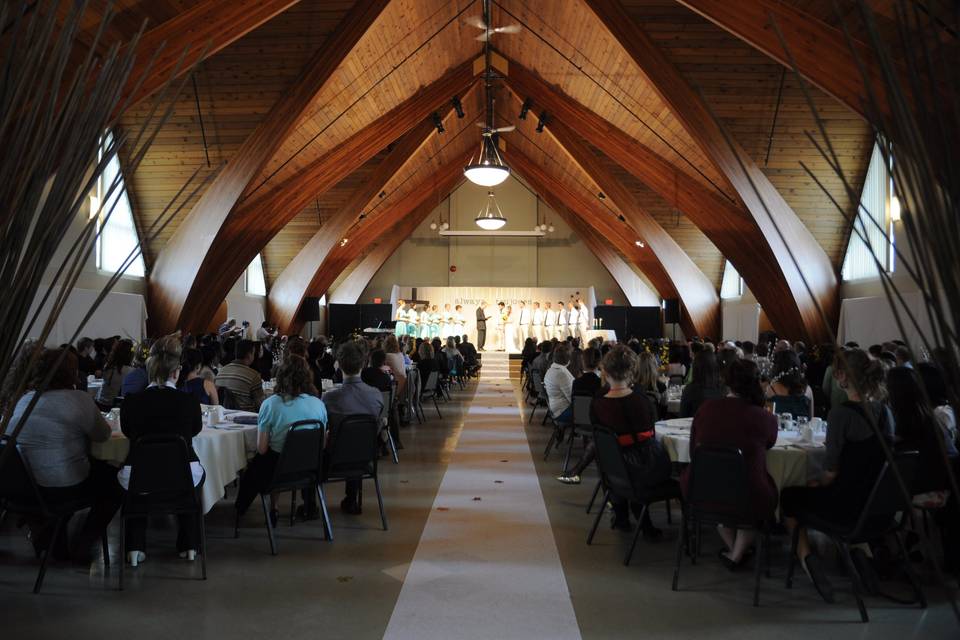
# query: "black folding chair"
(385, 413)
(617, 481)
(297, 469)
(717, 493)
(430, 391)
(161, 483)
(539, 396)
(580, 425)
(876, 520)
(20, 494)
(352, 453)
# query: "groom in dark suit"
(482, 318)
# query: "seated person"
(192, 382)
(558, 383)
(854, 457)
(788, 391)
(590, 385)
(115, 370)
(54, 441)
(648, 381)
(377, 375)
(704, 385)
(631, 416)
(294, 399)
(241, 380)
(162, 409)
(740, 421)
(136, 379)
(351, 398)
(427, 363)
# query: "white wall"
(244, 306)
(558, 260)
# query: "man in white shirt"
(561, 331)
(501, 321)
(558, 383)
(549, 322)
(537, 322)
(583, 323)
(573, 319)
(523, 326)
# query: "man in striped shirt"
(241, 380)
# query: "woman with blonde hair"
(162, 409)
(648, 378)
(395, 361)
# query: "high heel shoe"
(189, 555)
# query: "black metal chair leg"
(293, 505)
(46, 556)
(682, 541)
(123, 551)
(761, 549)
(437, 406)
(792, 562)
(546, 451)
(854, 579)
(566, 458)
(203, 546)
(596, 521)
(593, 498)
(266, 519)
(669, 512)
(105, 547)
(393, 447)
(546, 416)
(636, 536)
(327, 527)
(236, 523)
(383, 515)
(911, 574)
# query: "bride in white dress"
(510, 330)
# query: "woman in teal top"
(294, 399)
(401, 318)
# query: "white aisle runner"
(487, 564)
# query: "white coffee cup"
(220, 415)
(806, 435)
(816, 424)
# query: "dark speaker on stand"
(671, 313)
(309, 311)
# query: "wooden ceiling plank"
(699, 296)
(174, 284)
(202, 30)
(725, 223)
(820, 51)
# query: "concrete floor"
(351, 588)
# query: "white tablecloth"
(608, 335)
(790, 462)
(222, 450)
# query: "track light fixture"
(527, 103)
(458, 106)
(438, 122)
(542, 122)
(602, 195)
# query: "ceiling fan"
(488, 169)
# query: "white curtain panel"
(741, 321)
(120, 314)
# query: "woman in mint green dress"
(401, 317)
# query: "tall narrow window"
(868, 247)
(255, 282)
(118, 234)
(732, 284)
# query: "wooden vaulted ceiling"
(408, 46)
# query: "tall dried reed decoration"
(53, 121)
(919, 134)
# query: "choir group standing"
(514, 326)
(428, 323)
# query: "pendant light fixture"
(490, 217)
(488, 169)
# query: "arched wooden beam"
(352, 287)
(822, 53)
(699, 296)
(556, 191)
(734, 231)
(817, 283)
(374, 228)
(252, 223)
(176, 275)
(288, 290)
(202, 30)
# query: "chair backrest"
(794, 405)
(538, 384)
(581, 410)
(354, 444)
(431, 384)
(718, 481)
(676, 380)
(300, 458)
(17, 484)
(160, 473)
(887, 497)
(613, 468)
(227, 399)
(387, 398)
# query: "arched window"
(868, 245)
(117, 231)
(254, 282)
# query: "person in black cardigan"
(162, 409)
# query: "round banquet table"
(222, 448)
(791, 463)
